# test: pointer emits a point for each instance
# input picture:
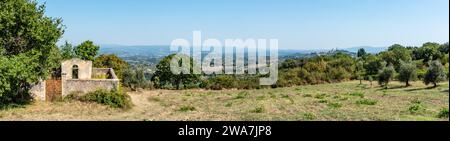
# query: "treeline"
(428, 63)
(401, 63)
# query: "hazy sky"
(298, 24)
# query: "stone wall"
(37, 91)
(85, 86)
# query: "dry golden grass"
(342, 101)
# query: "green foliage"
(28, 50)
(357, 94)
(321, 96)
(87, 50)
(386, 75)
(241, 95)
(309, 116)
(113, 98)
(443, 113)
(335, 105)
(221, 82)
(111, 61)
(186, 108)
(407, 72)
(428, 52)
(366, 102)
(258, 110)
(135, 78)
(395, 54)
(164, 75)
(361, 52)
(67, 51)
(372, 65)
(416, 107)
(435, 73)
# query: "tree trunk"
(435, 85)
(407, 83)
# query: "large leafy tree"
(372, 64)
(111, 61)
(87, 50)
(28, 50)
(164, 76)
(429, 52)
(395, 54)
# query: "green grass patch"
(241, 95)
(257, 110)
(229, 104)
(309, 116)
(321, 96)
(186, 109)
(323, 101)
(367, 102)
(334, 105)
(443, 113)
(307, 95)
(357, 94)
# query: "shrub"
(186, 108)
(366, 102)
(112, 98)
(258, 110)
(443, 113)
(309, 116)
(416, 106)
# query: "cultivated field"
(342, 101)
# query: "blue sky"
(298, 24)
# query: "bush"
(186, 108)
(309, 116)
(416, 107)
(112, 98)
(258, 110)
(443, 113)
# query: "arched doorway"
(75, 72)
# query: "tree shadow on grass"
(418, 89)
(391, 88)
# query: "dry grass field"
(346, 101)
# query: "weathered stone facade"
(78, 76)
(38, 91)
